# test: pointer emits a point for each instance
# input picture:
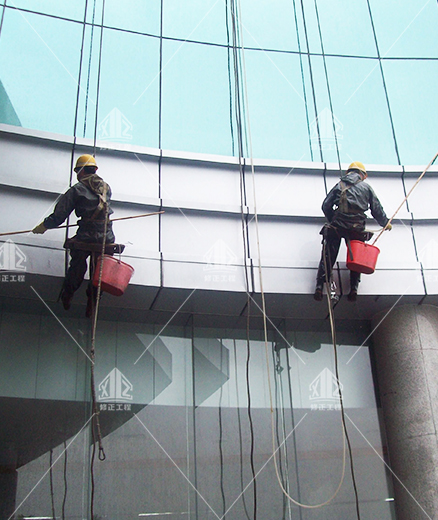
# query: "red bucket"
(364, 257)
(115, 275)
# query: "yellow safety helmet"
(357, 165)
(85, 160)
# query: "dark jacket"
(359, 197)
(84, 202)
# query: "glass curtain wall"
(196, 423)
(311, 81)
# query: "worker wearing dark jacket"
(89, 199)
(344, 208)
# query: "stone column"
(406, 347)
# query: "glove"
(40, 229)
(388, 227)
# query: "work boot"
(352, 295)
(66, 298)
(317, 295)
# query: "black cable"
(98, 78)
(222, 45)
(302, 79)
(328, 86)
(251, 425)
(229, 78)
(293, 427)
(52, 494)
(75, 125)
(89, 65)
(341, 398)
(221, 452)
(64, 500)
(384, 83)
(312, 82)
(239, 427)
(2, 18)
(276, 363)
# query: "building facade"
(216, 377)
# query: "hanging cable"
(328, 87)
(75, 125)
(239, 426)
(384, 83)
(312, 82)
(341, 398)
(95, 423)
(239, 109)
(229, 78)
(98, 78)
(52, 494)
(64, 500)
(251, 425)
(302, 80)
(221, 451)
(2, 18)
(89, 66)
(265, 320)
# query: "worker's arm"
(331, 199)
(376, 208)
(63, 208)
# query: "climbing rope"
(406, 198)
(265, 321)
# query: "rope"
(89, 66)
(312, 82)
(341, 398)
(265, 322)
(406, 198)
(302, 80)
(64, 500)
(76, 123)
(384, 83)
(74, 225)
(98, 78)
(95, 423)
(328, 85)
(239, 425)
(248, 393)
(52, 494)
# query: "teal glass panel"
(73, 10)
(134, 15)
(199, 20)
(360, 111)
(414, 104)
(195, 107)
(346, 28)
(406, 28)
(276, 106)
(39, 60)
(128, 92)
(269, 25)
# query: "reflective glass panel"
(72, 10)
(39, 60)
(196, 99)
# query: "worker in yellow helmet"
(90, 200)
(344, 208)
